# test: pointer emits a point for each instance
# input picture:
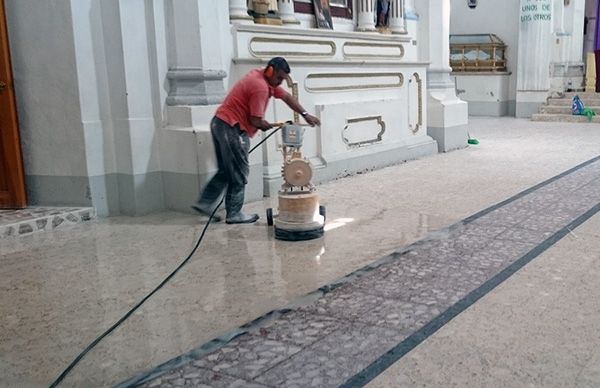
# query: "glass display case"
(477, 52)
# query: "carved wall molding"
(348, 127)
(373, 50)
(195, 86)
(415, 128)
(336, 82)
(266, 47)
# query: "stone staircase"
(559, 109)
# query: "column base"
(241, 20)
(268, 19)
(529, 102)
(447, 120)
(449, 138)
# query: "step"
(569, 101)
(566, 109)
(36, 219)
(582, 95)
(564, 118)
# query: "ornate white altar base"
(367, 90)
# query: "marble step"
(25, 222)
(569, 101)
(564, 118)
(564, 109)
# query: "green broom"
(471, 140)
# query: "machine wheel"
(322, 212)
(270, 216)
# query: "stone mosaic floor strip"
(24, 222)
(352, 330)
(382, 363)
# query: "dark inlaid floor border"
(399, 351)
(382, 363)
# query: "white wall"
(44, 68)
(90, 81)
(91, 85)
(495, 17)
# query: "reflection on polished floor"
(60, 290)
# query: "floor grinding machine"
(300, 215)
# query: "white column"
(286, 12)
(447, 115)
(439, 44)
(366, 15)
(411, 18)
(409, 7)
(238, 12)
(396, 18)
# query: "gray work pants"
(231, 148)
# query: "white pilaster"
(396, 19)
(447, 115)
(286, 12)
(198, 38)
(535, 41)
(409, 8)
(366, 15)
(567, 67)
(238, 12)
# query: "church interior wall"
(97, 129)
(497, 94)
(48, 101)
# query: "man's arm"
(296, 107)
(259, 123)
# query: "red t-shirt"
(249, 97)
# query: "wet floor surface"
(60, 290)
(353, 324)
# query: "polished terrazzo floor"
(353, 323)
(61, 291)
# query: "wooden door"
(12, 178)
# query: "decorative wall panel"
(362, 131)
(267, 47)
(415, 103)
(373, 50)
(336, 82)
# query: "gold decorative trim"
(377, 139)
(294, 87)
(398, 46)
(416, 128)
(303, 42)
(399, 83)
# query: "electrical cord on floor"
(140, 303)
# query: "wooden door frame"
(10, 138)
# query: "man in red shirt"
(237, 120)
